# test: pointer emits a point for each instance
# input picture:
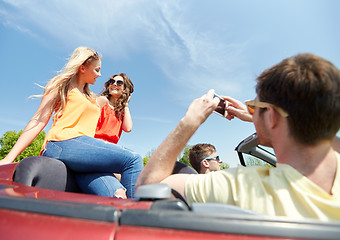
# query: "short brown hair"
(308, 88)
(198, 152)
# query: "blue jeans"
(90, 156)
(102, 184)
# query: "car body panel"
(28, 212)
(128, 232)
(25, 225)
(17, 189)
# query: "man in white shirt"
(297, 112)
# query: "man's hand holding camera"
(225, 106)
(237, 109)
(201, 108)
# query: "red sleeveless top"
(109, 127)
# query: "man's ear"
(205, 163)
(272, 117)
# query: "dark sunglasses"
(118, 82)
(95, 55)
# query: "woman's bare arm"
(127, 120)
(32, 129)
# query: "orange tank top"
(79, 118)
(109, 127)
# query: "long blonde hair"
(61, 83)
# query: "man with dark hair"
(297, 112)
(204, 159)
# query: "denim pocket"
(52, 150)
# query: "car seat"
(45, 172)
(183, 168)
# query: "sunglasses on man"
(215, 157)
(251, 104)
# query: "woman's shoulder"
(102, 101)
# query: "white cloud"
(11, 21)
(192, 57)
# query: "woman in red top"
(115, 114)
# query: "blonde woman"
(71, 137)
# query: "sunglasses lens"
(111, 81)
(118, 83)
(251, 109)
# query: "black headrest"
(44, 172)
(183, 168)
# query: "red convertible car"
(40, 200)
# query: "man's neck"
(314, 162)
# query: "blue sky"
(173, 50)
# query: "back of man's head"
(198, 152)
(308, 88)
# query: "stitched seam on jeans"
(59, 149)
(107, 185)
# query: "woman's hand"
(5, 161)
(127, 120)
(33, 128)
(128, 100)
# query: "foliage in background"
(147, 157)
(184, 155)
(254, 161)
(224, 166)
(9, 138)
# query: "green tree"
(254, 161)
(224, 166)
(145, 160)
(184, 156)
(147, 157)
(9, 138)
